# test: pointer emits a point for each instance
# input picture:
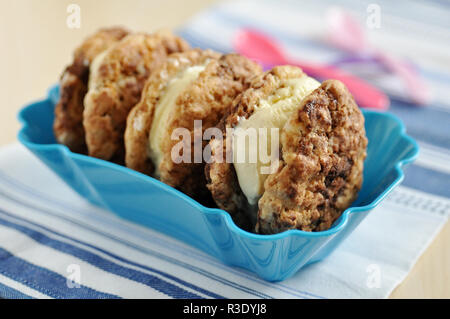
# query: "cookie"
(116, 81)
(68, 123)
(191, 86)
(316, 172)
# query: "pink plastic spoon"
(346, 33)
(263, 49)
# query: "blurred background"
(37, 43)
(400, 48)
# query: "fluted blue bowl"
(147, 201)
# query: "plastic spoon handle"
(417, 89)
(365, 94)
(257, 46)
(347, 33)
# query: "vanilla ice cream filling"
(271, 113)
(165, 107)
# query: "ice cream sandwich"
(193, 88)
(116, 80)
(314, 147)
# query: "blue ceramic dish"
(146, 201)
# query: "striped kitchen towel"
(54, 244)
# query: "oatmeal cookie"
(68, 123)
(194, 85)
(116, 81)
(322, 147)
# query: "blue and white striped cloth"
(53, 244)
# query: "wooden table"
(37, 44)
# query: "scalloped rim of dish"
(230, 223)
